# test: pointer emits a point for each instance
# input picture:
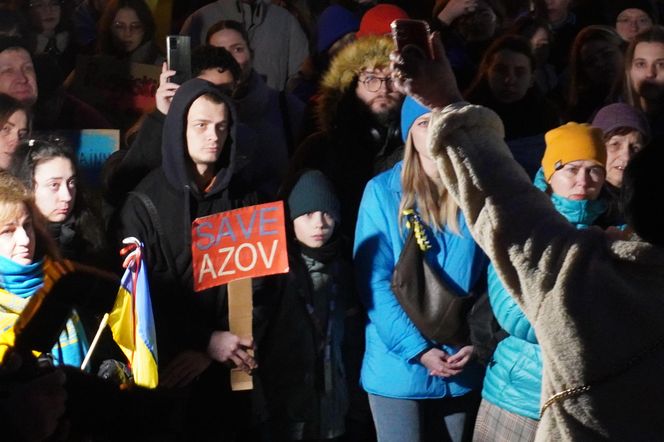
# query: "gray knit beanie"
(313, 192)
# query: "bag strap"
(154, 218)
(414, 221)
(578, 391)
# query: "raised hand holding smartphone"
(178, 57)
(409, 32)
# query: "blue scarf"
(23, 281)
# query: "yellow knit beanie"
(572, 142)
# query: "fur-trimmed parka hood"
(365, 53)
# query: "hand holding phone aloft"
(429, 80)
(166, 90)
(178, 57)
(416, 33)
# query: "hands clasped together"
(442, 364)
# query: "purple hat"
(616, 115)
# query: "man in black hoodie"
(196, 179)
(130, 166)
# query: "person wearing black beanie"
(632, 17)
(313, 192)
(306, 392)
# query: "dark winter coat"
(145, 155)
(184, 319)
(307, 397)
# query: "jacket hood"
(175, 159)
(364, 53)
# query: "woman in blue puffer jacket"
(573, 173)
(418, 390)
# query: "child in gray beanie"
(302, 365)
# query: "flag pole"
(88, 355)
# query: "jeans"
(423, 420)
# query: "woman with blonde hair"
(418, 389)
(27, 258)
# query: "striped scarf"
(17, 284)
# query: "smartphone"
(412, 32)
(178, 57)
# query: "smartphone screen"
(178, 57)
(411, 32)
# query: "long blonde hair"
(433, 201)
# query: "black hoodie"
(184, 319)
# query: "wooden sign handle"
(240, 318)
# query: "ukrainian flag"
(132, 324)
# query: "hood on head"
(364, 53)
(174, 145)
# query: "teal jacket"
(513, 379)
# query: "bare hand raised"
(430, 82)
(166, 90)
(455, 9)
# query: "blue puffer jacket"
(390, 366)
(513, 379)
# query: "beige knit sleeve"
(527, 240)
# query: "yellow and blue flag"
(132, 323)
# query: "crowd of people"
(521, 141)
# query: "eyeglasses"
(132, 28)
(45, 4)
(373, 84)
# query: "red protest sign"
(237, 244)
